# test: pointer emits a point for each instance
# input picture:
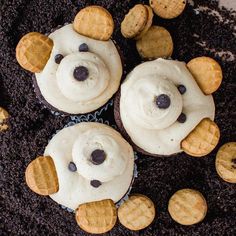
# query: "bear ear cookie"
(202, 140)
(33, 51)
(94, 22)
(207, 73)
(41, 176)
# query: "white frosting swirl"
(75, 144)
(156, 130)
(57, 84)
(88, 89)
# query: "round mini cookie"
(41, 176)
(168, 9)
(202, 139)
(156, 42)
(148, 24)
(187, 207)
(4, 115)
(207, 73)
(137, 212)
(97, 217)
(226, 162)
(94, 22)
(135, 21)
(33, 51)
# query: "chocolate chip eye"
(81, 73)
(163, 101)
(83, 47)
(58, 58)
(72, 167)
(182, 118)
(182, 89)
(95, 183)
(98, 156)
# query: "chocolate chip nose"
(81, 73)
(163, 101)
(98, 156)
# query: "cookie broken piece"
(207, 73)
(94, 22)
(3, 118)
(41, 176)
(33, 51)
(97, 217)
(202, 139)
(226, 162)
(135, 21)
(137, 212)
(168, 9)
(157, 42)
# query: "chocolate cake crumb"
(202, 29)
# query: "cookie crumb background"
(203, 29)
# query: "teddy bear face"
(160, 104)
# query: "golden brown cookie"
(97, 217)
(135, 21)
(168, 9)
(33, 51)
(137, 212)
(202, 139)
(94, 22)
(226, 162)
(207, 73)
(3, 118)
(156, 42)
(41, 176)
(187, 207)
(148, 24)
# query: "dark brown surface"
(31, 125)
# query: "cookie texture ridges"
(202, 140)
(187, 207)
(97, 217)
(137, 212)
(226, 162)
(33, 51)
(41, 176)
(94, 22)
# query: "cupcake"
(162, 111)
(83, 163)
(77, 67)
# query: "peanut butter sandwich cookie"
(168, 9)
(226, 162)
(187, 207)
(4, 115)
(137, 212)
(156, 42)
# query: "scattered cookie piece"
(156, 42)
(137, 212)
(135, 21)
(202, 139)
(94, 22)
(207, 73)
(97, 217)
(41, 176)
(168, 9)
(33, 51)
(226, 162)
(187, 207)
(148, 24)
(3, 118)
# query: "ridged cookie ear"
(41, 176)
(33, 51)
(202, 140)
(94, 22)
(207, 73)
